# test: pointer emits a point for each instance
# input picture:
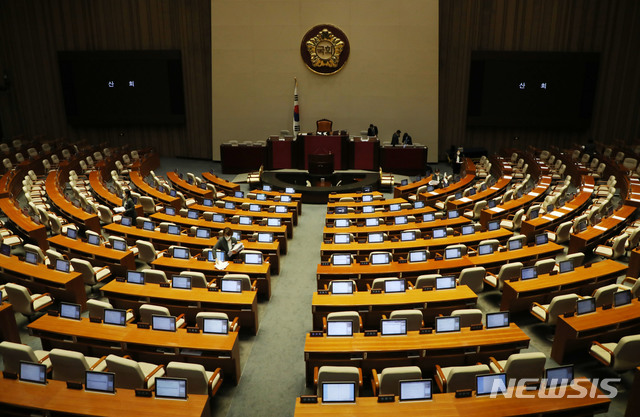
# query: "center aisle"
(274, 374)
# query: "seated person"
(129, 205)
(226, 243)
(436, 178)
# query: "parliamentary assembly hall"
(238, 208)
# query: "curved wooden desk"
(118, 261)
(599, 233)
(66, 207)
(363, 231)
(224, 185)
(24, 224)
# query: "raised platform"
(316, 188)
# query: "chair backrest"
(105, 214)
(148, 205)
(209, 315)
(604, 295)
(618, 246)
(194, 373)
(414, 318)
(517, 219)
(12, 353)
(468, 316)
(625, 353)
(461, 246)
(20, 298)
(585, 158)
(346, 315)
(84, 267)
(324, 125)
(563, 232)
(378, 283)
(244, 278)
(154, 276)
(198, 280)
(68, 365)
(426, 280)
(390, 378)
(337, 374)
(509, 272)
(146, 251)
(473, 278)
(561, 304)
(525, 365)
(464, 377)
(148, 310)
(96, 307)
(36, 249)
(577, 258)
(128, 372)
(521, 238)
(477, 208)
(545, 266)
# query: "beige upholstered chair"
(148, 310)
(473, 278)
(91, 275)
(388, 381)
(414, 318)
(455, 378)
(508, 272)
(520, 365)
(620, 356)
(199, 380)
(545, 266)
(198, 279)
(233, 324)
(616, 250)
(560, 304)
(13, 353)
(154, 276)
(26, 303)
(353, 316)
(336, 374)
(247, 285)
(426, 280)
(468, 316)
(146, 251)
(96, 310)
(69, 365)
(131, 374)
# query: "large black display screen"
(114, 88)
(532, 89)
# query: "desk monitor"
(341, 210)
(491, 384)
(339, 392)
(289, 190)
(417, 256)
(401, 220)
(171, 388)
(380, 259)
(203, 233)
(254, 207)
(135, 277)
(273, 222)
(447, 324)
(515, 244)
(62, 265)
(5, 249)
(161, 189)
(550, 208)
(178, 281)
(377, 237)
(418, 205)
(497, 320)
(164, 323)
(533, 214)
(559, 376)
(566, 266)
(214, 325)
(585, 306)
(439, 232)
(472, 192)
(468, 229)
(229, 205)
(170, 211)
(33, 372)
(542, 239)
(244, 220)
(253, 258)
(93, 240)
(367, 198)
(528, 272)
(266, 188)
(30, 257)
(281, 209)
(340, 328)
(126, 221)
(428, 217)
(453, 214)
(173, 229)
(193, 214)
(70, 311)
(483, 186)
(394, 207)
(485, 249)
(261, 197)
(452, 253)
(265, 237)
(72, 233)
(238, 194)
(219, 218)
(115, 317)
(207, 202)
(622, 298)
(341, 287)
(373, 221)
(491, 203)
(95, 381)
(181, 253)
(368, 209)
(148, 226)
(493, 225)
(220, 256)
(415, 390)
(581, 226)
(393, 327)
(408, 235)
(120, 245)
(342, 238)
(231, 285)
(430, 188)
(341, 259)
(445, 283)
(404, 182)
(394, 285)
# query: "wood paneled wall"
(610, 27)
(32, 31)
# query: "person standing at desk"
(406, 139)
(456, 162)
(373, 130)
(395, 139)
(226, 244)
(129, 205)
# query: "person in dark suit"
(373, 130)
(406, 139)
(226, 242)
(129, 205)
(457, 161)
(395, 139)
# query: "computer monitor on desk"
(485, 249)
(452, 253)
(542, 239)
(393, 327)
(341, 238)
(497, 320)
(33, 372)
(181, 282)
(515, 244)
(585, 306)
(439, 232)
(394, 285)
(340, 259)
(491, 384)
(468, 229)
(62, 265)
(339, 392)
(428, 217)
(173, 229)
(372, 222)
(115, 317)
(417, 256)
(203, 233)
(528, 272)
(415, 390)
(339, 328)
(452, 214)
(376, 237)
(171, 388)
(341, 287)
(214, 325)
(394, 207)
(368, 209)
(95, 381)
(447, 324)
(380, 258)
(342, 223)
(445, 283)
(164, 323)
(265, 237)
(340, 210)
(169, 211)
(408, 235)
(559, 376)
(399, 220)
(231, 285)
(70, 311)
(367, 198)
(135, 277)
(30, 257)
(622, 298)
(493, 225)
(566, 266)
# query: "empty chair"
(96, 309)
(106, 215)
(131, 374)
(148, 205)
(378, 283)
(154, 276)
(508, 272)
(604, 295)
(336, 374)
(468, 316)
(14, 353)
(148, 310)
(545, 266)
(233, 325)
(620, 356)
(473, 278)
(562, 232)
(560, 304)
(26, 303)
(577, 258)
(199, 380)
(388, 381)
(91, 275)
(629, 283)
(68, 365)
(198, 279)
(19, 158)
(426, 280)
(514, 222)
(616, 249)
(495, 243)
(353, 316)
(245, 280)
(7, 164)
(414, 318)
(521, 238)
(520, 365)
(146, 251)
(33, 248)
(346, 200)
(462, 247)
(474, 214)
(456, 378)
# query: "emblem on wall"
(325, 49)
